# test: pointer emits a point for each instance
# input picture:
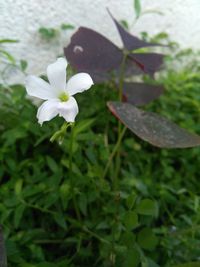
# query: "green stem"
(59, 135)
(120, 130)
(37, 207)
(121, 82)
(117, 150)
(70, 174)
(85, 229)
(121, 79)
(114, 152)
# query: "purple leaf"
(131, 69)
(130, 42)
(3, 260)
(93, 53)
(141, 93)
(153, 128)
(90, 50)
(148, 62)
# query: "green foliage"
(124, 23)
(139, 12)
(49, 34)
(147, 207)
(137, 7)
(147, 239)
(151, 221)
(191, 264)
(131, 220)
(65, 26)
(132, 258)
(8, 41)
(23, 65)
(8, 61)
(4, 54)
(37, 208)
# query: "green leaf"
(8, 56)
(23, 64)
(59, 218)
(83, 204)
(11, 248)
(147, 239)
(64, 194)
(151, 263)
(147, 207)
(124, 23)
(153, 11)
(8, 41)
(46, 264)
(82, 126)
(131, 220)
(189, 264)
(26, 264)
(18, 215)
(128, 239)
(52, 164)
(130, 201)
(3, 260)
(132, 258)
(137, 7)
(67, 26)
(18, 187)
(48, 33)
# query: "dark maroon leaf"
(3, 261)
(130, 42)
(93, 53)
(90, 50)
(131, 69)
(148, 62)
(98, 77)
(141, 93)
(153, 128)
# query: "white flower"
(57, 93)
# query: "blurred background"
(21, 20)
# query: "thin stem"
(114, 152)
(121, 82)
(70, 173)
(37, 207)
(121, 79)
(185, 231)
(85, 229)
(59, 135)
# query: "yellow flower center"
(64, 97)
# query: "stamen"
(64, 97)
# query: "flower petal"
(48, 110)
(69, 109)
(79, 83)
(56, 73)
(38, 88)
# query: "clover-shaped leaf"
(153, 128)
(90, 50)
(130, 41)
(148, 62)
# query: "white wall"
(20, 19)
